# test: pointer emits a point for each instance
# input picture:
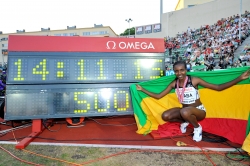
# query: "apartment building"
(96, 31)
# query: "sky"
(32, 15)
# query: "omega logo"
(129, 45)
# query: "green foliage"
(126, 32)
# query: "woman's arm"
(157, 95)
(220, 87)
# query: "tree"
(126, 32)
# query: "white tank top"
(190, 94)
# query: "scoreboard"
(47, 67)
(60, 77)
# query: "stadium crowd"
(213, 46)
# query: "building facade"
(194, 17)
(97, 31)
(181, 4)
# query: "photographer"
(210, 63)
(222, 64)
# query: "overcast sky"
(32, 15)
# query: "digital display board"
(63, 77)
(35, 68)
(60, 101)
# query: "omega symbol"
(114, 45)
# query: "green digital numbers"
(97, 106)
(41, 69)
(78, 101)
(102, 100)
(89, 70)
(157, 69)
(19, 70)
(60, 74)
(81, 64)
(125, 104)
(138, 69)
(101, 76)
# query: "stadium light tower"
(129, 20)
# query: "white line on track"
(128, 146)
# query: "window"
(190, 6)
(95, 33)
(102, 32)
(5, 45)
(4, 51)
(139, 30)
(72, 34)
(86, 33)
(57, 34)
(65, 34)
(157, 27)
(4, 39)
(148, 29)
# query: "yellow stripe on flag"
(232, 103)
(154, 108)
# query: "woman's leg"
(192, 115)
(173, 115)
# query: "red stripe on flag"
(232, 129)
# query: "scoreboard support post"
(37, 129)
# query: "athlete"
(186, 88)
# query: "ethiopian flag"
(228, 111)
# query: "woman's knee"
(165, 116)
(185, 112)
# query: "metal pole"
(128, 28)
(161, 6)
(129, 20)
(240, 20)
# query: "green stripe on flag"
(248, 125)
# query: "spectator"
(246, 48)
(210, 63)
(237, 64)
(222, 64)
(189, 50)
(197, 58)
(189, 65)
(220, 39)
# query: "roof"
(63, 30)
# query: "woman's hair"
(180, 63)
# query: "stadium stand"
(225, 44)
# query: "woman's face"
(180, 71)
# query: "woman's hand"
(245, 75)
(138, 87)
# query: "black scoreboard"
(86, 67)
(45, 83)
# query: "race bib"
(189, 95)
